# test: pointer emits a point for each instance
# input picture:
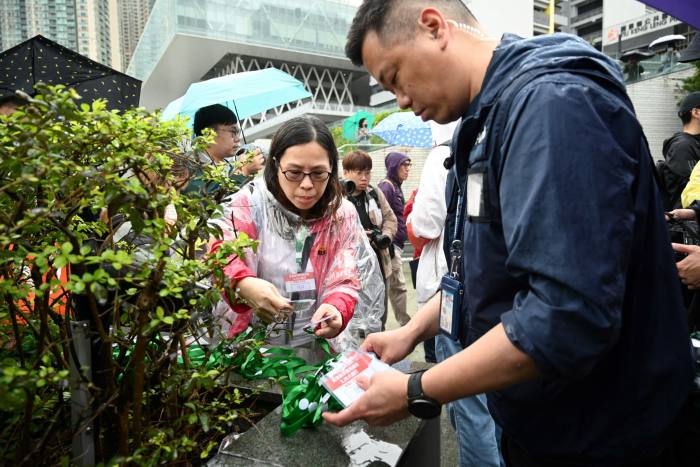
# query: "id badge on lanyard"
(451, 293)
(451, 287)
(302, 283)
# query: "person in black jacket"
(681, 152)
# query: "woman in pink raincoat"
(313, 261)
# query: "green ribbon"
(303, 397)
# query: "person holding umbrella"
(226, 143)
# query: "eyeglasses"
(317, 176)
(407, 164)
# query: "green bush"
(692, 83)
(69, 177)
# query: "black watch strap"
(419, 404)
(415, 388)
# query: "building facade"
(22, 19)
(89, 27)
(133, 16)
(188, 41)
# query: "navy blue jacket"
(565, 244)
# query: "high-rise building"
(540, 18)
(90, 27)
(22, 19)
(586, 21)
(133, 16)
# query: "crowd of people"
(547, 279)
(548, 292)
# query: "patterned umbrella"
(41, 60)
(404, 129)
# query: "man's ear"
(432, 22)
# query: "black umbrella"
(692, 52)
(41, 60)
(637, 55)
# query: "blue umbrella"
(247, 93)
(404, 129)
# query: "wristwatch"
(420, 405)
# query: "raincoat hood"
(392, 162)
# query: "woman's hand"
(331, 327)
(264, 297)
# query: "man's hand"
(383, 403)
(331, 327)
(390, 346)
(252, 163)
(689, 267)
(681, 214)
(264, 297)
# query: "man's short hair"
(211, 116)
(391, 19)
(685, 109)
(357, 161)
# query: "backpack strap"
(373, 193)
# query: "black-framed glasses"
(407, 164)
(316, 176)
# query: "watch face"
(422, 408)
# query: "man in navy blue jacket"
(571, 314)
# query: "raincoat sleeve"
(389, 222)
(568, 218)
(237, 217)
(341, 282)
(355, 278)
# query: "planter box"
(411, 442)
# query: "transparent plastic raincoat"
(345, 269)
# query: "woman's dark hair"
(303, 130)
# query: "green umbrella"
(351, 124)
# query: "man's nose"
(402, 99)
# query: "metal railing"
(653, 68)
